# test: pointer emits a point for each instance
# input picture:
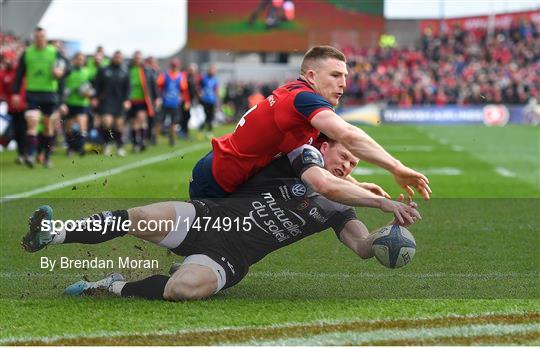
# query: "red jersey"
(275, 126)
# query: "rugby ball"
(394, 246)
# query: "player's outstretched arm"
(356, 237)
(342, 191)
(364, 147)
(374, 188)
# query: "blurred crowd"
(100, 102)
(457, 67)
(96, 103)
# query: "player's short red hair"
(318, 53)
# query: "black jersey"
(280, 207)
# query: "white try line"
(446, 171)
(409, 148)
(361, 338)
(203, 330)
(106, 173)
(505, 172)
(381, 275)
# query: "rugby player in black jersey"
(295, 196)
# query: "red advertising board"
(501, 21)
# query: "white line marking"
(457, 148)
(447, 171)
(317, 275)
(360, 338)
(320, 322)
(107, 173)
(505, 172)
(409, 148)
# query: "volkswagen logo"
(298, 190)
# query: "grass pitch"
(474, 279)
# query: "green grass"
(477, 245)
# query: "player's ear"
(310, 76)
(324, 147)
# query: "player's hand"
(94, 102)
(63, 109)
(159, 102)
(16, 101)
(127, 105)
(187, 106)
(408, 178)
(404, 214)
(58, 73)
(374, 188)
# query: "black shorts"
(136, 107)
(171, 113)
(76, 110)
(214, 245)
(45, 108)
(110, 108)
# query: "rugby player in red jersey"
(293, 115)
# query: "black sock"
(31, 144)
(134, 135)
(93, 228)
(118, 138)
(151, 288)
(47, 146)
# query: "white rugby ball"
(394, 246)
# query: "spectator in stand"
(209, 98)
(143, 93)
(8, 71)
(173, 87)
(456, 67)
(112, 99)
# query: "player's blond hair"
(318, 53)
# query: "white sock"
(116, 287)
(59, 237)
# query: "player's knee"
(187, 286)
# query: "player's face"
(117, 58)
(329, 79)
(40, 39)
(78, 60)
(338, 160)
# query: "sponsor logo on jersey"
(271, 100)
(284, 192)
(228, 264)
(310, 155)
(302, 205)
(275, 221)
(298, 190)
(314, 213)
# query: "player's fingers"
(407, 217)
(398, 216)
(400, 198)
(409, 190)
(415, 213)
(422, 177)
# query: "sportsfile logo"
(93, 224)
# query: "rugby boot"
(83, 287)
(37, 237)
